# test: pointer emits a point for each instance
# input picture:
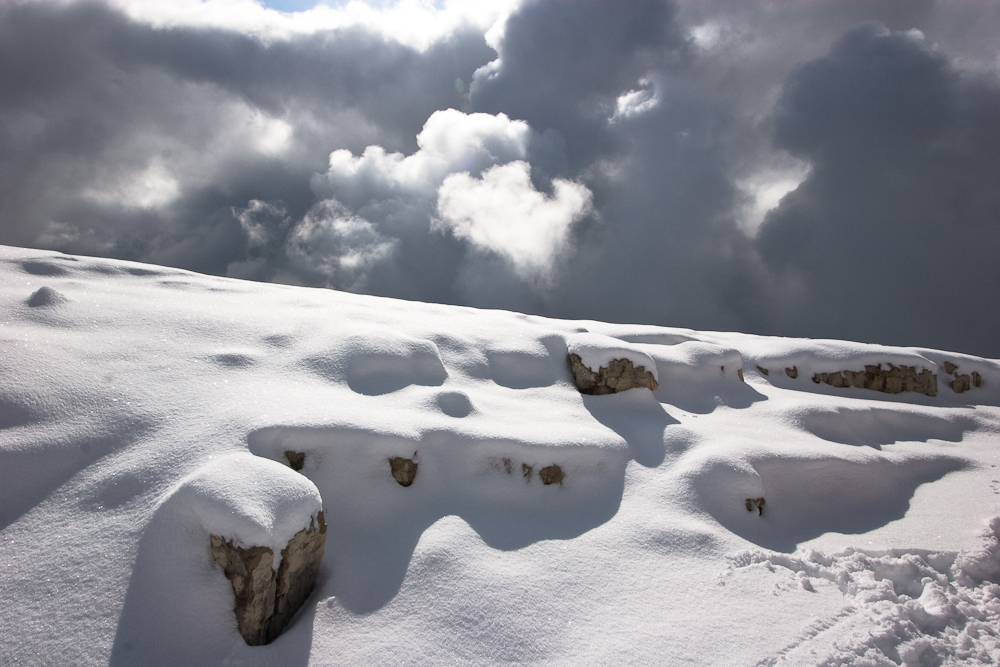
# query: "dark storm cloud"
(898, 224)
(562, 64)
(92, 101)
(618, 161)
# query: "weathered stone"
(960, 383)
(977, 379)
(265, 600)
(859, 380)
(403, 470)
(619, 375)
(552, 474)
(792, 372)
(892, 380)
(295, 459)
(739, 374)
(949, 367)
(526, 470)
(763, 371)
(755, 504)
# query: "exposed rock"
(755, 504)
(960, 383)
(266, 600)
(552, 474)
(977, 379)
(620, 375)
(46, 296)
(739, 374)
(403, 470)
(295, 459)
(526, 470)
(894, 380)
(949, 367)
(763, 370)
(792, 372)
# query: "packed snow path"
(754, 508)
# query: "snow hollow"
(771, 501)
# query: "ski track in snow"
(144, 408)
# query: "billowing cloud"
(468, 181)
(336, 247)
(504, 214)
(897, 223)
(826, 169)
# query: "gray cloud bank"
(823, 169)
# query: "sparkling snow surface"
(143, 409)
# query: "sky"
(820, 168)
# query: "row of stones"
(404, 471)
(264, 599)
(893, 380)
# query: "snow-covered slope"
(143, 409)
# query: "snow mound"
(249, 500)
(480, 509)
(178, 608)
(598, 351)
(808, 495)
(380, 361)
(877, 426)
(46, 296)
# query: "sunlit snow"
(144, 408)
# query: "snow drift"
(738, 513)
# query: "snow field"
(142, 409)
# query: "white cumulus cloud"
(503, 213)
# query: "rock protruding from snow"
(46, 296)
(552, 474)
(403, 470)
(266, 600)
(618, 375)
(962, 382)
(264, 525)
(894, 380)
(604, 365)
(296, 460)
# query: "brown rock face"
(266, 600)
(960, 383)
(552, 474)
(295, 459)
(755, 504)
(618, 376)
(403, 470)
(893, 380)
